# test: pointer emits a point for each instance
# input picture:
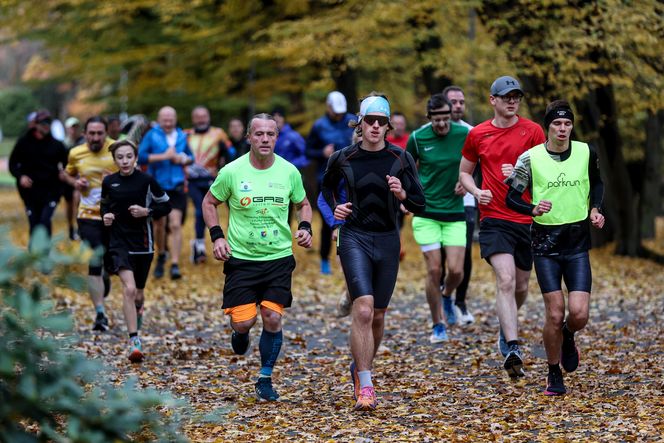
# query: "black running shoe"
(101, 323)
(159, 267)
(569, 354)
(264, 390)
(107, 283)
(514, 362)
(554, 383)
(240, 343)
(175, 272)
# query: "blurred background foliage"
(243, 56)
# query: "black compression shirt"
(118, 193)
(374, 207)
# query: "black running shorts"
(139, 264)
(370, 261)
(178, 200)
(252, 281)
(506, 237)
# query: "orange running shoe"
(367, 400)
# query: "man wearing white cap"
(504, 233)
(329, 133)
(379, 177)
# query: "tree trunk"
(345, 81)
(651, 200)
(599, 116)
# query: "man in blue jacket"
(328, 134)
(290, 144)
(165, 151)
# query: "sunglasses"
(371, 119)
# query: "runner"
(258, 254)
(504, 233)
(379, 177)
(564, 180)
(210, 146)
(437, 149)
(460, 313)
(399, 135)
(36, 162)
(165, 150)
(87, 166)
(130, 200)
(329, 133)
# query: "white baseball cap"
(337, 102)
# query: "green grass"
(6, 146)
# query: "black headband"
(431, 113)
(557, 113)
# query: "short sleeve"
(538, 135)
(221, 189)
(469, 151)
(297, 188)
(71, 164)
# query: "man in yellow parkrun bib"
(564, 180)
(258, 188)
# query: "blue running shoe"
(502, 343)
(264, 389)
(448, 309)
(439, 334)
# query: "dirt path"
(450, 392)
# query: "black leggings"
(370, 261)
(40, 212)
(573, 268)
(460, 297)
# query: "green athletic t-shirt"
(439, 159)
(258, 205)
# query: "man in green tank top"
(258, 257)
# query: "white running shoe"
(464, 317)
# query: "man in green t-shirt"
(258, 188)
(436, 147)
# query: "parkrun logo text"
(246, 201)
(561, 182)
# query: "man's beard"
(96, 147)
(202, 129)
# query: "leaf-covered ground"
(456, 391)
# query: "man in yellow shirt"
(87, 166)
